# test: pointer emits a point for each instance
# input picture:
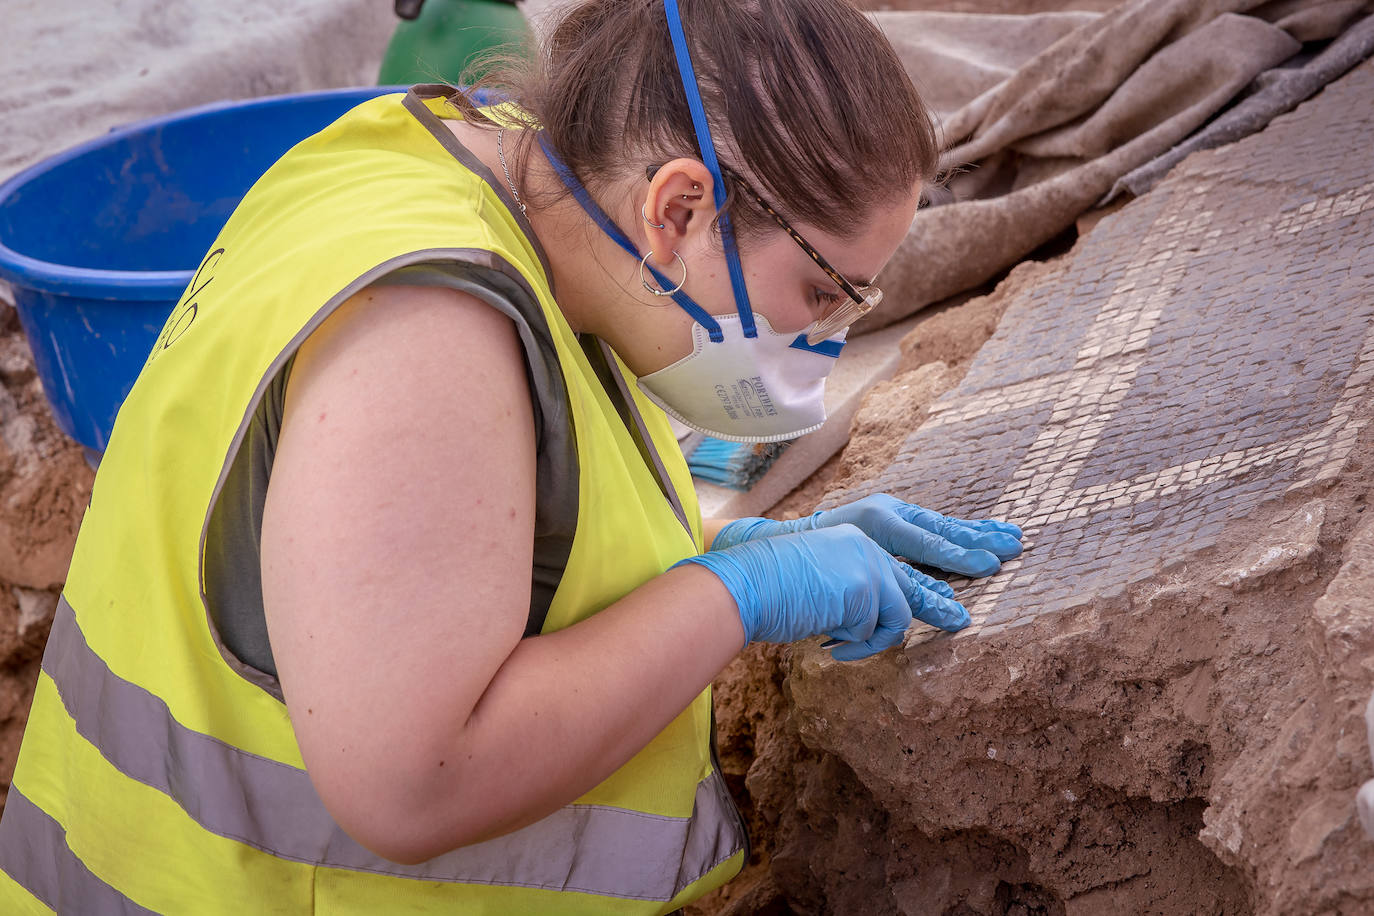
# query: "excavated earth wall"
(1159, 706)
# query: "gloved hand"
(970, 548)
(835, 581)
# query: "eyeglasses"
(862, 299)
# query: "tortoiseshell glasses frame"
(862, 299)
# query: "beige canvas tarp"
(1042, 114)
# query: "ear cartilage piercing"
(649, 221)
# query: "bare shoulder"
(398, 532)
(429, 382)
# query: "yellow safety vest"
(154, 776)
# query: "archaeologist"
(393, 594)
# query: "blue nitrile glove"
(970, 548)
(835, 581)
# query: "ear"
(678, 203)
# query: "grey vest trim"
(555, 414)
(593, 849)
(233, 535)
(34, 849)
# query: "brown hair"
(805, 98)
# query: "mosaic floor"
(1207, 348)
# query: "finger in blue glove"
(938, 586)
(1001, 539)
(946, 543)
(935, 607)
(989, 524)
(971, 548)
(926, 604)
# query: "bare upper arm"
(397, 536)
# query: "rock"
(1186, 748)
(1345, 611)
(1364, 804)
(1346, 615)
(1317, 823)
(25, 618)
(16, 696)
(16, 362)
(1292, 546)
(35, 610)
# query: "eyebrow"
(857, 284)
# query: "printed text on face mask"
(746, 398)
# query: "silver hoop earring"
(654, 289)
(647, 220)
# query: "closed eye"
(827, 300)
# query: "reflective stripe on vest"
(35, 848)
(277, 810)
(175, 781)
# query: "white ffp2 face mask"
(760, 389)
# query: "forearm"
(568, 708)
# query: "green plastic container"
(439, 44)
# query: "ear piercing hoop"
(654, 289)
(647, 220)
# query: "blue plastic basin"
(99, 242)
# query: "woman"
(392, 595)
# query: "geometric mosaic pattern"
(1207, 348)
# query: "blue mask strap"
(608, 226)
(708, 157)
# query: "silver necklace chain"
(501, 154)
